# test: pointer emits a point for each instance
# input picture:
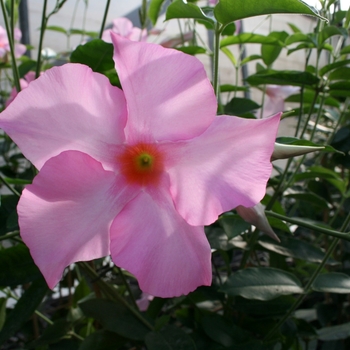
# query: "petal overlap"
(65, 215)
(63, 111)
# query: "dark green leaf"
(269, 53)
(310, 198)
(169, 338)
(333, 282)
(102, 340)
(17, 266)
(298, 142)
(96, 54)
(233, 225)
(330, 31)
(239, 106)
(218, 239)
(227, 11)
(57, 29)
(230, 88)
(23, 309)
(25, 67)
(115, 318)
(300, 37)
(182, 9)
(250, 38)
(154, 9)
(334, 332)
(340, 88)
(223, 331)
(261, 283)
(297, 78)
(295, 248)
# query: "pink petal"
(168, 94)
(138, 34)
(272, 105)
(228, 165)
(17, 34)
(65, 215)
(67, 108)
(152, 241)
(122, 26)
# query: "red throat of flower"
(141, 164)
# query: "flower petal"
(152, 241)
(67, 108)
(65, 215)
(178, 104)
(228, 165)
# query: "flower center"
(141, 164)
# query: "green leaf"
(233, 225)
(297, 78)
(57, 29)
(328, 67)
(182, 9)
(340, 88)
(17, 266)
(270, 53)
(298, 142)
(295, 248)
(102, 340)
(310, 198)
(23, 309)
(341, 73)
(170, 337)
(218, 239)
(96, 54)
(330, 31)
(192, 50)
(115, 318)
(223, 331)
(261, 283)
(334, 332)
(227, 11)
(154, 9)
(300, 37)
(345, 50)
(333, 282)
(250, 38)
(25, 67)
(239, 106)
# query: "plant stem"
(9, 235)
(216, 59)
(301, 298)
(12, 47)
(104, 18)
(111, 293)
(42, 31)
(326, 231)
(8, 186)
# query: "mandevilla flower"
(135, 173)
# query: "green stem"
(126, 284)
(326, 231)
(9, 235)
(104, 18)
(8, 186)
(42, 32)
(310, 282)
(247, 252)
(12, 47)
(216, 59)
(113, 294)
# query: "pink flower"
(135, 173)
(20, 49)
(275, 96)
(124, 27)
(28, 78)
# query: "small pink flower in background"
(144, 301)
(124, 27)
(135, 173)
(20, 49)
(28, 78)
(275, 96)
